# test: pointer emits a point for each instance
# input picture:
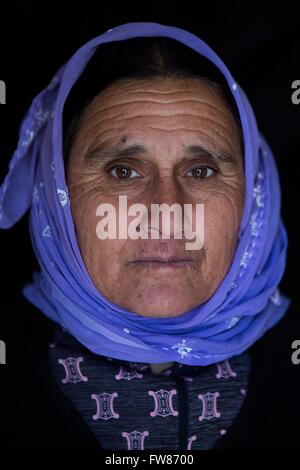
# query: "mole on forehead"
(215, 136)
(104, 151)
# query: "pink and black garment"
(259, 407)
(128, 407)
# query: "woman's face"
(164, 116)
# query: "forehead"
(159, 93)
(145, 107)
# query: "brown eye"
(123, 172)
(202, 172)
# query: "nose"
(167, 191)
(165, 210)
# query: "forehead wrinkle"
(103, 153)
(213, 121)
(159, 83)
(105, 94)
(207, 137)
(126, 102)
(200, 152)
(108, 147)
(109, 131)
(215, 108)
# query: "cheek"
(110, 251)
(84, 218)
(222, 215)
(84, 202)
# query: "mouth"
(158, 263)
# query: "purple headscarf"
(247, 302)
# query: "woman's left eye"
(201, 172)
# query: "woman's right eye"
(123, 172)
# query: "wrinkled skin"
(164, 115)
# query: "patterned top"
(137, 406)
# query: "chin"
(162, 302)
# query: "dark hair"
(139, 58)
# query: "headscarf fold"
(246, 304)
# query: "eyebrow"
(104, 153)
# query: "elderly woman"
(153, 341)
